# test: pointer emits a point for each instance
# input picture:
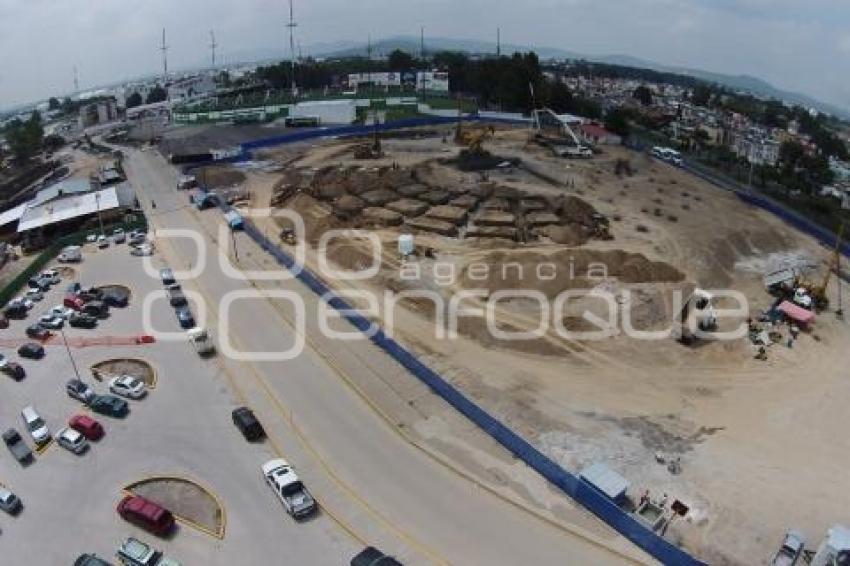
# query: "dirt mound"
(566, 235)
(219, 176)
(348, 206)
(567, 269)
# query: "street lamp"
(70, 356)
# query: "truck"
(17, 446)
(201, 340)
(790, 551)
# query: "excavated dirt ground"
(759, 442)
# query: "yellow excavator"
(818, 291)
(473, 139)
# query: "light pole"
(99, 217)
(68, 349)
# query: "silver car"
(72, 440)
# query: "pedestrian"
(644, 498)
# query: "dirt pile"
(219, 176)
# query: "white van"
(71, 254)
(35, 425)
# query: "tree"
(53, 142)
(25, 138)
(617, 121)
(701, 95)
(156, 94)
(400, 60)
(134, 100)
(643, 95)
(53, 103)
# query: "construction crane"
(551, 131)
(817, 292)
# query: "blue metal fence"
(573, 486)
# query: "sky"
(801, 45)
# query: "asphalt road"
(374, 485)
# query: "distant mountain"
(746, 83)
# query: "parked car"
(51, 321)
(9, 502)
(91, 238)
(90, 294)
(143, 249)
(90, 560)
(15, 310)
(176, 297)
(71, 254)
(167, 276)
(12, 369)
(86, 426)
(61, 311)
(247, 423)
(37, 332)
(17, 446)
(201, 341)
(97, 309)
(81, 320)
(184, 317)
(27, 302)
(39, 283)
(116, 298)
(118, 236)
(72, 440)
(371, 556)
(31, 350)
(136, 237)
(146, 514)
(34, 295)
(79, 390)
(134, 552)
(288, 488)
(110, 406)
(35, 425)
(102, 241)
(72, 301)
(74, 287)
(128, 386)
(51, 275)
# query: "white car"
(91, 238)
(128, 386)
(102, 241)
(24, 301)
(52, 275)
(60, 311)
(34, 295)
(35, 425)
(136, 237)
(72, 440)
(284, 482)
(141, 249)
(51, 321)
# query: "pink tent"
(799, 314)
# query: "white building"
(190, 88)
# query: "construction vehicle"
(473, 139)
(371, 150)
(809, 294)
(551, 131)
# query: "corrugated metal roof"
(605, 480)
(68, 208)
(60, 189)
(13, 214)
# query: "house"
(597, 135)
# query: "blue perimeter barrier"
(577, 488)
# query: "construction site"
(640, 317)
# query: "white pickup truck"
(201, 340)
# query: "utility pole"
(76, 80)
(213, 45)
(292, 25)
(68, 348)
(164, 49)
(422, 43)
(99, 217)
(498, 42)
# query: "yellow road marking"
(41, 449)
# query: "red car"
(73, 301)
(146, 514)
(86, 426)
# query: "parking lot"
(182, 428)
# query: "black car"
(118, 299)
(31, 350)
(184, 317)
(371, 556)
(90, 560)
(14, 370)
(167, 276)
(109, 405)
(176, 298)
(78, 320)
(37, 332)
(96, 309)
(40, 283)
(90, 294)
(247, 423)
(15, 311)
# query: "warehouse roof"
(605, 480)
(68, 208)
